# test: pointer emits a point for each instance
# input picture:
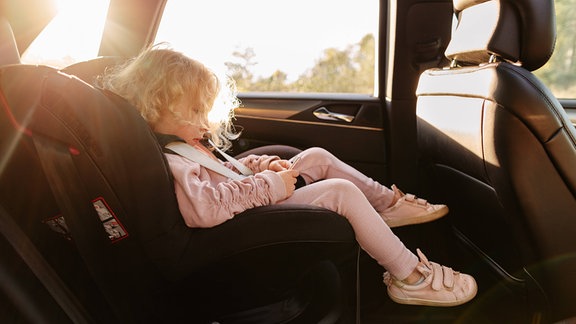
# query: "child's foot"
(441, 286)
(409, 210)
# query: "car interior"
(508, 126)
(90, 230)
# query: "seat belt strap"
(195, 155)
(239, 166)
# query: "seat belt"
(42, 269)
(239, 166)
(193, 154)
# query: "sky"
(285, 35)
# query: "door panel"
(350, 128)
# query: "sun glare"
(225, 102)
(73, 35)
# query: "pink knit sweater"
(207, 199)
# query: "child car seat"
(95, 174)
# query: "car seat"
(499, 149)
(84, 177)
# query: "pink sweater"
(207, 198)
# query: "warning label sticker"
(110, 222)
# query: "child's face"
(188, 123)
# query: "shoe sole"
(418, 219)
(428, 302)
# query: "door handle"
(325, 114)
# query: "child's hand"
(279, 165)
(289, 178)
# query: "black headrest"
(519, 31)
(9, 53)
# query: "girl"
(178, 96)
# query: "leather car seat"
(88, 156)
(500, 150)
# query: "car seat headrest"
(9, 53)
(89, 70)
(519, 31)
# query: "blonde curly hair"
(158, 79)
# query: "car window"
(559, 74)
(73, 35)
(286, 46)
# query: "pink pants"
(353, 195)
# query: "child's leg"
(372, 233)
(430, 283)
(317, 164)
(397, 208)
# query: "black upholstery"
(501, 151)
(161, 268)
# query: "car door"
(351, 127)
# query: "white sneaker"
(410, 209)
(442, 286)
